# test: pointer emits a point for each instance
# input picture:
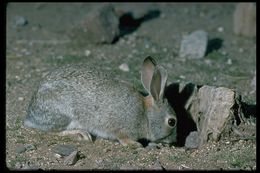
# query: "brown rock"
(245, 19)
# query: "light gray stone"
(194, 45)
(20, 21)
(192, 140)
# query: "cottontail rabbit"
(80, 100)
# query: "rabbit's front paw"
(82, 135)
(126, 141)
(131, 144)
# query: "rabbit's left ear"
(158, 82)
(148, 67)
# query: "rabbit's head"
(161, 117)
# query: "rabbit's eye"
(171, 122)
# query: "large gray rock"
(245, 19)
(194, 45)
(101, 25)
(212, 109)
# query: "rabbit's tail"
(45, 121)
(31, 123)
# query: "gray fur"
(76, 97)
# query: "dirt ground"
(43, 43)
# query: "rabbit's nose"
(171, 122)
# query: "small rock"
(20, 149)
(106, 150)
(253, 83)
(29, 147)
(64, 150)
(71, 159)
(220, 29)
(194, 45)
(30, 166)
(241, 50)
(157, 166)
(245, 19)
(124, 67)
(57, 155)
(182, 77)
(87, 52)
(18, 165)
(192, 140)
(152, 145)
(20, 21)
(20, 98)
(229, 62)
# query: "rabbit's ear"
(158, 83)
(147, 72)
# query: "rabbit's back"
(79, 97)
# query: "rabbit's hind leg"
(82, 135)
(126, 141)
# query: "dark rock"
(20, 149)
(64, 150)
(29, 147)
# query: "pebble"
(241, 50)
(220, 29)
(194, 45)
(23, 148)
(20, 98)
(124, 67)
(30, 147)
(157, 166)
(253, 83)
(20, 149)
(72, 158)
(64, 150)
(87, 53)
(20, 21)
(17, 77)
(182, 77)
(165, 50)
(192, 140)
(229, 62)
